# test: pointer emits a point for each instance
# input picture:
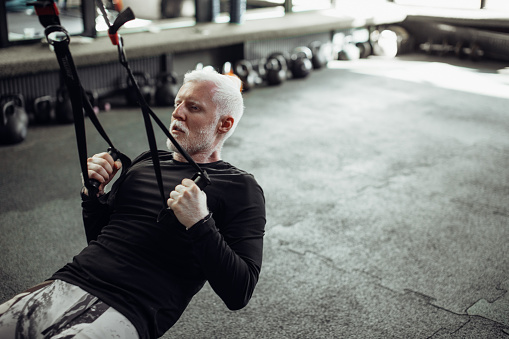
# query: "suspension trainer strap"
(201, 177)
(150, 134)
(112, 150)
(89, 110)
(59, 39)
(47, 12)
(117, 40)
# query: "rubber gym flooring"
(387, 188)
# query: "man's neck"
(200, 158)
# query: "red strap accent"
(114, 38)
(47, 10)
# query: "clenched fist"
(188, 202)
(102, 168)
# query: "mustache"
(176, 124)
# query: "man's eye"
(194, 108)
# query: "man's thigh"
(62, 310)
(110, 324)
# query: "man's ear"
(225, 124)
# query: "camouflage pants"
(61, 310)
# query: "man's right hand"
(102, 168)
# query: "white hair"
(227, 93)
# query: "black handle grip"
(201, 179)
(93, 187)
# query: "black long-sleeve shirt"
(149, 271)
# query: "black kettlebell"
(43, 109)
(301, 65)
(318, 59)
(145, 85)
(13, 120)
(63, 106)
(276, 69)
(166, 89)
(246, 73)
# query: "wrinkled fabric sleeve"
(96, 215)
(96, 212)
(232, 258)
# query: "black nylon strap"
(93, 118)
(48, 16)
(201, 177)
(47, 12)
(59, 38)
(71, 80)
(150, 134)
(145, 107)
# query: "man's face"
(194, 120)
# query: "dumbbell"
(476, 52)
(431, 48)
(464, 50)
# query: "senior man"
(137, 275)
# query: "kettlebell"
(166, 89)
(319, 58)
(301, 65)
(144, 83)
(63, 107)
(276, 69)
(43, 109)
(13, 120)
(246, 73)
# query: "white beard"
(192, 145)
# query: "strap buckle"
(56, 34)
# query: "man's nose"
(178, 112)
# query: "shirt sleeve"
(96, 215)
(231, 257)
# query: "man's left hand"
(188, 202)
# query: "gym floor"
(387, 203)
